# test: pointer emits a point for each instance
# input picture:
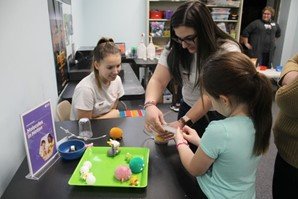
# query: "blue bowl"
(65, 152)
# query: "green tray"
(103, 167)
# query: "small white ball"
(90, 180)
(84, 169)
(87, 164)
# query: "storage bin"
(221, 10)
(168, 14)
(216, 2)
(156, 14)
(220, 15)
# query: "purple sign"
(40, 136)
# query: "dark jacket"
(262, 37)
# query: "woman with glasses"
(97, 95)
(259, 37)
(194, 37)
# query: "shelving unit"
(160, 38)
(160, 27)
(229, 24)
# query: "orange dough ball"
(116, 133)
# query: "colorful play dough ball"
(90, 180)
(122, 173)
(87, 164)
(116, 133)
(84, 169)
(136, 164)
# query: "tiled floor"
(266, 166)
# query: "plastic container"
(66, 153)
(278, 68)
(141, 51)
(150, 49)
(220, 15)
(168, 14)
(263, 67)
(85, 128)
(221, 10)
(156, 14)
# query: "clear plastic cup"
(85, 128)
(159, 140)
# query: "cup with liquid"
(85, 128)
(168, 129)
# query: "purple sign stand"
(40, 139)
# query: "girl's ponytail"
(260, 107)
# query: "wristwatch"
(186, 121)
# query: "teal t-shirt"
(233, 173)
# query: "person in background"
(194, 37)
(177, 95)
(97, 95)
(285, 177)
(259, 37)
(228, 153)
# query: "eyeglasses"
(265, 13)
(188, 40)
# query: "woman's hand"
(248, 46)
(154, 119)
(176, 124)
(191, 135)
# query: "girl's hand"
(179, 136)
(191, 135)
(154, 119)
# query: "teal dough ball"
(136, 165)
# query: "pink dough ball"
(122, 173)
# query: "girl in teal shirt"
(229, 151)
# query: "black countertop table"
(166, 176)
(131, 84)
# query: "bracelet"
(180, 143)
(149, 103)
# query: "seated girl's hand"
(191, 135)
(154, 119)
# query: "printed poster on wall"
(40, 137)
(59, 35)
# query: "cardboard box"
(166, 98)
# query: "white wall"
(124, 21)
(290, 45)
(27, 75)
